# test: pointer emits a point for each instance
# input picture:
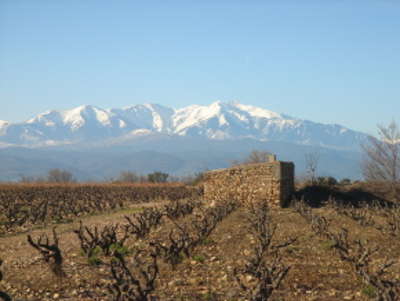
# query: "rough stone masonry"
(272, 181)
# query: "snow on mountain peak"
(3, 124)
(191, 115)
(218, 120)
(161, 116)
(226, 115)
(197, 113)
(258, 112)
(47, 119)
(102, 116)
(146, 116)
(78, 116)
(74, 117)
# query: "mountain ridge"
(217, 121)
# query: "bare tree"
(128, 177)
(255, 156)
(312, 160)
(157, 177)
(57, 175)
(50, 251)
(258, 157)
(382, 156)
(31, 179)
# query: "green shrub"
(328, 244)
(369, 291)
(207, 241)
(210, 296)
(199, 258)
(94, 261)
(117, 248)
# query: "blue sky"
(329, 61)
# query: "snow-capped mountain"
(148, 116)
(3, 125)
(218, 121)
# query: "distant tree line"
(54, 175)
(158, 177)
(57, 175)
(132, 177)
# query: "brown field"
(24, 206)
(316, 269)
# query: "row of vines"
(23, 206)
(140, 256)
(366, 258)
(133, 270)
(138, 251)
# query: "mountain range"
(184, 140)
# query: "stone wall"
(272, 181)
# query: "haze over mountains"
(180, 141)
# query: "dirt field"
(316, 271)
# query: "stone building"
(272, 181)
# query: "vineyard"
(165, 242)
(24, 206)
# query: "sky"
(331, 61)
